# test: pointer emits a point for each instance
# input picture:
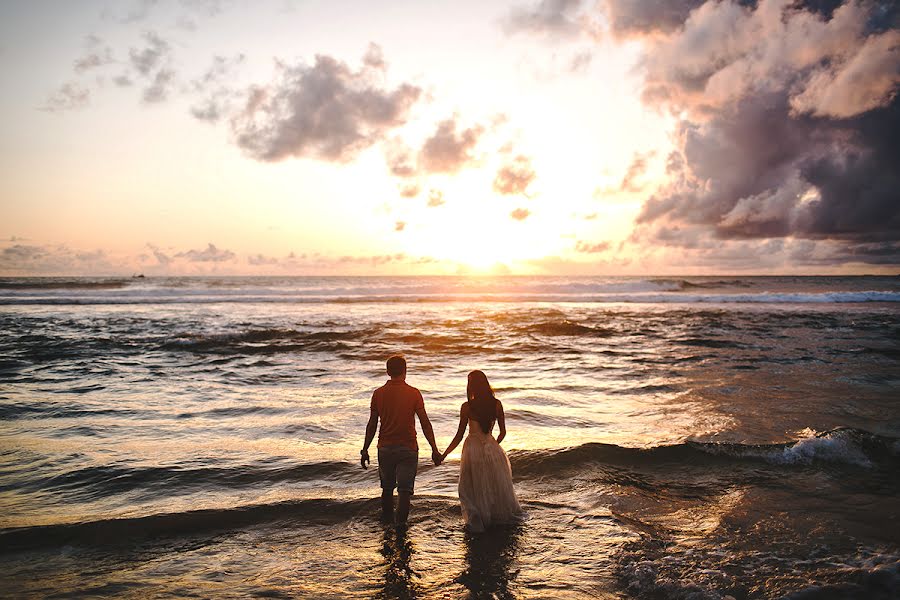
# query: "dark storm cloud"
(789, 126)
(514, 177)
(326, 111)
(449, 150)
(209, 254)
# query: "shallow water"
(669, 438)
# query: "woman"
(485, 477)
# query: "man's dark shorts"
(397, 467)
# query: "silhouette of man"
(396, 404)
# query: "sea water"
(669, 437)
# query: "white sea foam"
(832, 447)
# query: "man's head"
(396, 366)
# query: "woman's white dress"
(485, 482)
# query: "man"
(396, 403)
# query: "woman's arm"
(463, 422)
(501, 422)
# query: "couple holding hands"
(485, 478)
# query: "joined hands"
(436, 457)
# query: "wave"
(171, 524)
(66, 284)
(837, 447)
(256, 297)
(192, 341)
(103, 481)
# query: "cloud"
(374, 57)
(219, 97)
(151, 63)
(555, 19)
(69, 96)
(399, 158)
(410, 190)
(628, 17)
(209, 254)
(152, 56)
(865, 81)
(589, 248)
(136, 11)
(162, 259)
(449, 150)
(158, 90)
(787, 124)
(637, 168)
(514, 177)
(435, 198)
(326, 111)
(520, 214)
(96, 55)
(49, 259)
(580, 61)
(208, 8)
(375, 260)
(23, 252)
(141, 10)
(261, 259)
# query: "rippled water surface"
(670, 438)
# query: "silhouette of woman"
(485, 476)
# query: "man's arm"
(428, 432)
(371, 428)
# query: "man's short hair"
(396, 365)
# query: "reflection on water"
(202, 447)
(489, 562)
(400, 580)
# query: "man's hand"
(364, 459)
(436, 457)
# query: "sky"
(303, 137)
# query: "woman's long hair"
(482, 403)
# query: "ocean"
(684, 438)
